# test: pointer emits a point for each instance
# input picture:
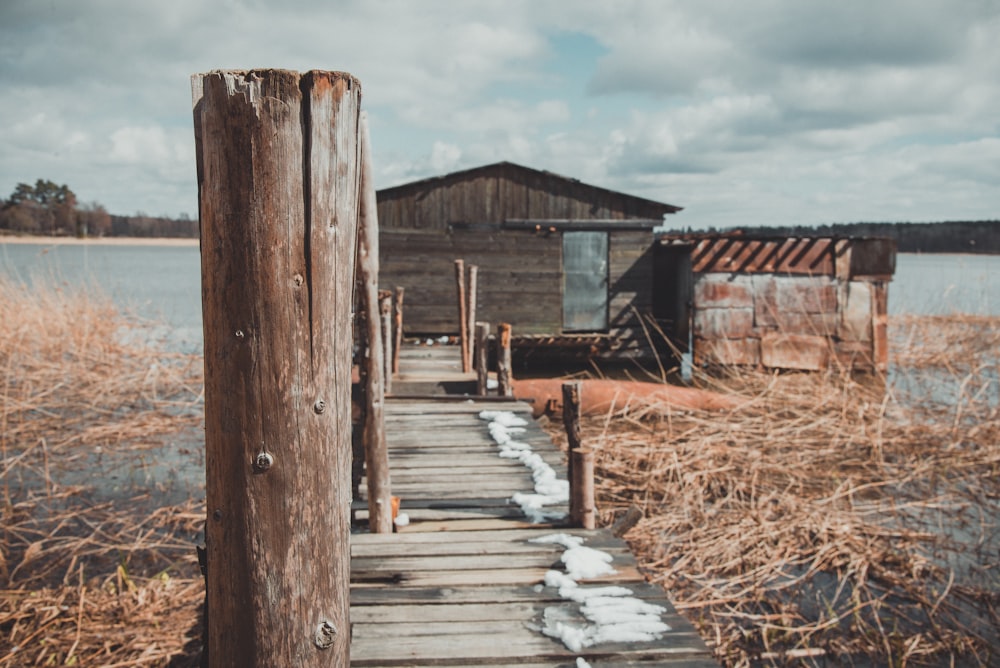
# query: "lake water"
(945, 284)
(161, 284)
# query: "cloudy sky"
(744, 112)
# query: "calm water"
(944, 284)
(161, 284)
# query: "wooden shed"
(567, 264)
(804, 303)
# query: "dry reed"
(827, 520)
(95, 569)
(830, 520)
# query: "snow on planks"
(463, 584)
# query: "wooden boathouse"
(567, 264)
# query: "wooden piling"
(482, 357)
(505, 386)
(385, 312)
(470, 312)
(376, 378)
(463, 323)
(582, 512)
(397, 327)
(571, 423)
(581, 489)
(278, 187)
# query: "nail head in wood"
(263, 462)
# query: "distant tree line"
(982, 236)
(49, 209)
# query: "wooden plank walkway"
(464, 584)
(432, 369)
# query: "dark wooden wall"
(493, 194)
(520, 279)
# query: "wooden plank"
(526, 644)
(367, 596)
(463, 583)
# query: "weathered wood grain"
(278, 185)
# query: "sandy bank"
(97, 241)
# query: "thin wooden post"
(463, 323)
(581, 489)
(470, 322)
(278, 188)
(376, 380)
(571, 422)
(482, 357)
(385, 309)
(504, 386)
(397, 315)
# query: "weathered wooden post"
(581, 489)
(463, 323)
(385, 309)
(482, 357)
(580, 460)
(470, 322)
(375, 377)
(397, 316)
(504, 386)
(278, 187)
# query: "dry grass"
(94, 570)
(829, 520)
(826, 521)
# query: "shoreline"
(97, 241)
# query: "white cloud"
(140, 145)
(743, 112)
(445, 157)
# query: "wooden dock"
(464, 583)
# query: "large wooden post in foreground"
(278, 185)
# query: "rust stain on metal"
(794, 351)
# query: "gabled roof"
(509, 169)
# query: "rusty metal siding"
(780, 350)
(726, 352)
(723, 291)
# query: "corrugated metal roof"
(814, 256)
